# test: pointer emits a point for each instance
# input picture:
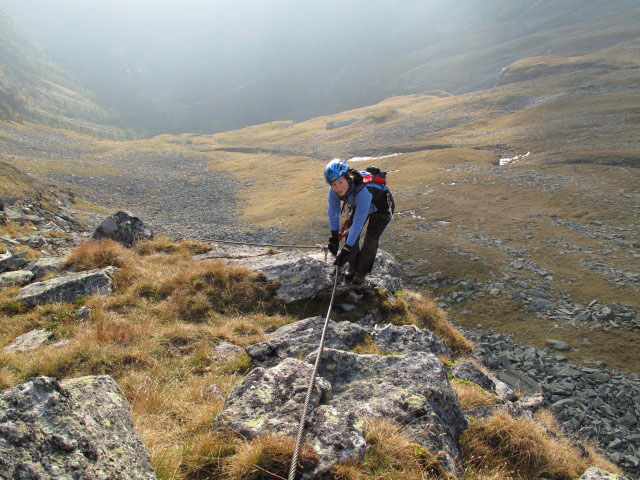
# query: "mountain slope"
(34, 88)
(206, 68)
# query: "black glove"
(334, 243)
(341, 259)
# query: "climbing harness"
(312, 381)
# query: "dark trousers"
(361, 259)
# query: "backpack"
(382, 198)
(374, 175)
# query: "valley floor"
(539, 251)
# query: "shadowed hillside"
(35, 88)
(195, 68)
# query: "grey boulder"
(303, 275)
(226, 351)
(300, 338)
(13, 213)
(519, 381)
(29, 341)
(466, 370)
(45, 265)
(68, 286)
(17, 277)
(78, 428)
(124, 228)
(411, 390)
(404, 339)
(10, 262)
(595, 473)
(270, 400)
(558, 345)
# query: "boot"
(349, 274)
(359, 278)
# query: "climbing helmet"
(334, 170)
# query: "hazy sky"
(169, 40)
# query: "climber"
(368, 197)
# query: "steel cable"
(312, 381)
(322, 247)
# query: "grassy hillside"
(157, 336)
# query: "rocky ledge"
(411, 387)
(303, 274)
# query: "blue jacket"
(363, 206)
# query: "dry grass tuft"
(31, 253)
(90, 255)
(367, 346)
(521, 447)
(215, 286)
(391, 453)
(12, 307)
(240, 331)
(413, 308)
(166, 245)
(205, 455)
(268, 458)
(475, 473)
(472, 395)
(78, 358)
(194, 247)
(595, 459)
(157, 245)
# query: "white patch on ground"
(366, 159)
(410, 213)
(507, 161)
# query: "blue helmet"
(334, 170)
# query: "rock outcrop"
(466, 370)
(300, 338)
(10, 262)
(404, 339)
(44, 265)
(406, 382)
(78, 428)
(304, 274)
(17, 277)
(68, 286)
(594, 473)
(124, 228)
(413, 390)
(29, 341)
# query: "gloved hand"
(342, 257)
(334, 243)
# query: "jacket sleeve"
(363, 206)
(334, 210)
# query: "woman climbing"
(368, 197)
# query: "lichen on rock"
(77, 428)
